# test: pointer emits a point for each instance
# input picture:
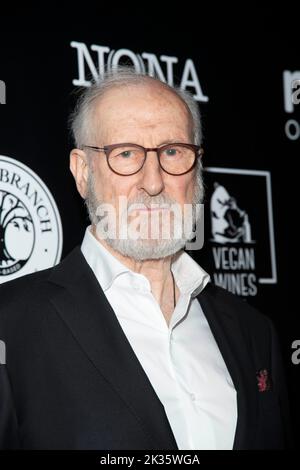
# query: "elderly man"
(126, 344)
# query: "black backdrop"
(239, 56)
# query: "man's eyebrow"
(171, 141)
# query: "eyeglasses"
(127, 159)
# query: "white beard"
(141, 249)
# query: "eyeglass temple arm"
(93, 148)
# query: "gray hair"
(122, 76)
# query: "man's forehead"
(130, 120)
(122, 112)
(139, 98)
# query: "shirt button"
(193, 396)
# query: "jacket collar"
(228, 333)
(86, 311)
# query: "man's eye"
(126, 154)
(171, 152)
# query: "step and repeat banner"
(245, 75)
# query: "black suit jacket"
(72, 381)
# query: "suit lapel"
(86, 311)
(84, 308)
(233, 347)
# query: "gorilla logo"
(229, 223)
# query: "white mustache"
(157, 203)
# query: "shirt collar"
(106, 267)
(189, 276)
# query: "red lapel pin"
(263, 380)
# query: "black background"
(240, 54)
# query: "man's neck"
(157, 271)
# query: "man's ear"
(80, 170)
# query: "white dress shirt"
(182, 360)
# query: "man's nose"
(152, 175)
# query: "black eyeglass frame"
(107, 149)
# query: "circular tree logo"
(17, 233)
(30, 225)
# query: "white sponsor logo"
(291, 98)
(30, 225)
(229, 223)
(92, 62)
(2, 352)
(240, 261)
(2, 92)
(296, 354)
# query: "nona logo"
(93, 62)
(30, 225)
